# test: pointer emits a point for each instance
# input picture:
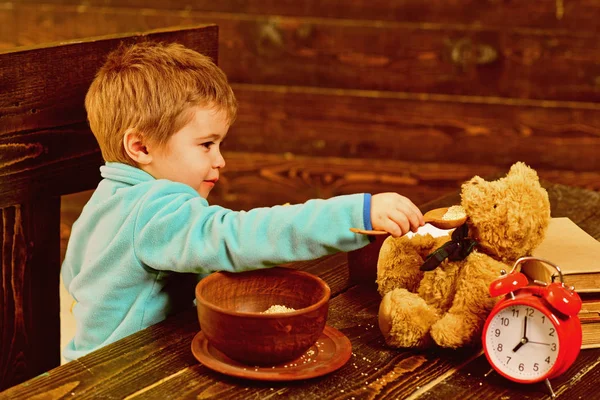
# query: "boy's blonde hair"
(152, 87)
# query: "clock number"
(553, 347)
(529, 312)
(515, 313)
(497, 332)
(508, 359)
(504, 321)
(500, 347)
(521, 367)
(536, 367)
(543, 319)
(547, 360)
(551, 332)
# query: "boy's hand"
(395, 214)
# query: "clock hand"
(520, 344)
(545, 344)
(517, 347)
(524, 338)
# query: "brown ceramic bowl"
(230, 311)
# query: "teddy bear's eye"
(495, 205)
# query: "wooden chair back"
(46, 151)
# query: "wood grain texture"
(549, 14)
(46, 150)
(481, 60)
(401, 126)
(585, 214)
(471, 383)
(42, 162)
(322, 142)
(29, 303)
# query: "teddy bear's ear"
(473, 192)
(476, 180)
(474, 185)
(521, 170)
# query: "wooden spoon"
(433, 217)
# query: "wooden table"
(157, 362)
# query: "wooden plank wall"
(338, 96)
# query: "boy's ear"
(135, 146)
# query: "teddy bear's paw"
(455, 330)
(405, 319)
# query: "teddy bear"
(435, 290)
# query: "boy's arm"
(182, 233)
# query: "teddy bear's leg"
(405, 319)
(400, 260)
(463, 323)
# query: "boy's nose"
(219, 161)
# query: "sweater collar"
(124, 173)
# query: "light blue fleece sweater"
(138, 241)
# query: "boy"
(160, 114)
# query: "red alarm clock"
(533, 333)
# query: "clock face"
(522, 342)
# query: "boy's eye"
(207, 144)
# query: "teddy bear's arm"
(398, 265)
(463, 322)
(400, 260)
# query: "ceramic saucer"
(330, 352)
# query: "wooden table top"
(157, 362)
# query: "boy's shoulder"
(121, 182)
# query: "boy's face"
(193, 155)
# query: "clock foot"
(489, 372)
(552, 394)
